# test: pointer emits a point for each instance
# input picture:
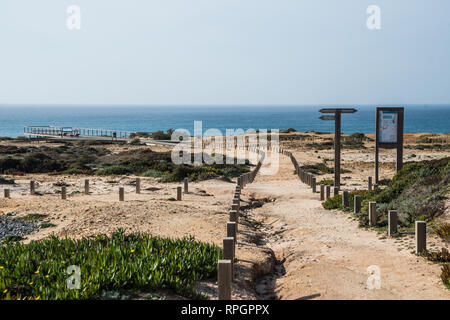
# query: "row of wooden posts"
(325, 194)
(225, 267)
(7, 192)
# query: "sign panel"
(388, 126)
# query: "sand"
(300, 251)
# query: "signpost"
(337, 138)
(389, 134)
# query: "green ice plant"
(137, 262)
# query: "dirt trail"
(325, 255)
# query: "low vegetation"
(82, 159)
(321, 168)
(417, 192)
(135, 262)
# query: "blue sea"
(418, 118)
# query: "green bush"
(114, 170)
(121, 262)
(154, 173)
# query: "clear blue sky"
(225, 52)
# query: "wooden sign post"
(337, 139)
(389, 135)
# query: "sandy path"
(325, 254)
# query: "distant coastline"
(418, 118)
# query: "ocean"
(418, 118)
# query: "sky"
(224, 52)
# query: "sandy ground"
(325, 255)
(321, 254)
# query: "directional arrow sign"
(327, 118)
(341, 110)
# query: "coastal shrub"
(114, 170)
(443, 231)
(354, 141)
(6, 181)
(154, 173)
(321, 168)
(438, 256)
(136, 262)
(327, 182)
(334, 202)
(80, 159)
(418, 191)
(160, 135)
(445, 276)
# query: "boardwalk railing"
(70, 132)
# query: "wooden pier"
(70, 133)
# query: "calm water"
(149, 119)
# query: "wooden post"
(86, 186)
(336, 190)
(234, 217)
(313, 184)
(372, 213)
(179, 193)
(224, 279)
(392, 222)
(231, 230)
(186, 185)
(138, 185)
(229, 253)
(337, 149)
(421, 236)
(357, 204)
(121, 194)
(32, 190)
(322, 192)
(328, 192)
(399, 162)
(345, 199)
(6, 193)
(63, 193)
(370, 184)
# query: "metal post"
(63, 193)
(322, 192)
(328, 192)
(6, 193)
